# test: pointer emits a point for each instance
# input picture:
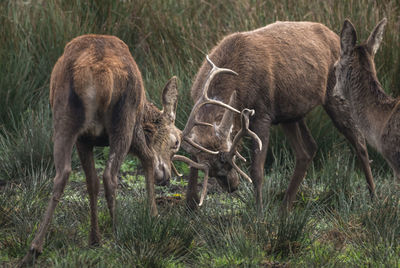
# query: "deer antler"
(175, 170)
(246, 113)
(231, 155)
(204, 99)
(192, 121)
(204, 167)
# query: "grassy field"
(334, 223)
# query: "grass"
(331, 225)
(334, 223)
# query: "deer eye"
(176, 144)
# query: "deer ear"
(348, 38)
(376, 36)
(170, 99)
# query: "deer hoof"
(29, 258)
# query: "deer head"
(355, 58)
(162, 136)
(219, 159)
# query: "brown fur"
(376, 114)
(285, 70)
(98, 99)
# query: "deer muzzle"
(162, 174)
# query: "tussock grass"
(152, 241)
(26, 148)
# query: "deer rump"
(284, 70)
(98, 99)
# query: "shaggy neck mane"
(370, 104)
(151, 114)
(151, 121)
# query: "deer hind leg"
(85, 153)
(63, 143)
(262, 129)
(304, 148)
(341, 118)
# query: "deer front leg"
(192, 197)
(85, 153)
(339, 111)
(149, 173)
(119, 145)
(262, 129)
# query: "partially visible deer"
(376, 114)
(98, 99)
(284, 70)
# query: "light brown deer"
(98, 99)
(284, 70)
(376, 114)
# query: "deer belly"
(373, 141)
(293, 105)
(291, 113)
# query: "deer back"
(284, 70)
(92, 75)
(96, 90)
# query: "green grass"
(334, 223)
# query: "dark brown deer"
(284, 70)
(98, 99)
(376, 114)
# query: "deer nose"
(163, 175)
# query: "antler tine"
(190, 162)
(210, 62)
(198, 123)
(214, 71)
(175, 170)
(244, 130)
(240, 156)
(198, 146)
(217, 69)
(241, 172)
(202, 167)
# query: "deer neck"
(371, 108)
(151, 113)
(145, 127)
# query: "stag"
(98, 99)
(376, 114)
(284, 70)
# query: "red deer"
(98, 99)
(376, 114)
(284, 70)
